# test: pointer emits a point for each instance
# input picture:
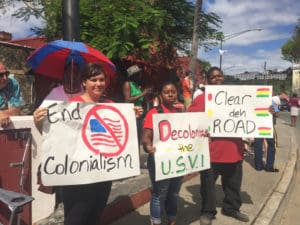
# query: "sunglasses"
(6, 73)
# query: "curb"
(267, 213)
(126, 205)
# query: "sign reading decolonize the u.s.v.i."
(239, 110)
(88, 143)
(181, 144)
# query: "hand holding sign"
(239, 111)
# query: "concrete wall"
(43, 204)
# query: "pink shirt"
(294, 102)
(59, 94)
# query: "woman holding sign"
(226, 156)
(164, 192)
(83, 204)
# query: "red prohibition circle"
(95, 112)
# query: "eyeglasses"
(6, 73)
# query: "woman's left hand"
(139, 111)
(150, 149)
(271, 109)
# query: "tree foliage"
(128, 27)
(291, 49)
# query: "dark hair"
(295, 95)
(165, 83)
(90, 70)
(211, 69)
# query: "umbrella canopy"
(50, 60)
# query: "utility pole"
(265, 72)
(71, 21)
(229, 36)
(195, 41)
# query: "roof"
(33, 42)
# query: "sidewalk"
(262, 192)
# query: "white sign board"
(181, 145)
(88, 143)
(239, 111)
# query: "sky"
(254, 50)
(18, 28)
(250, 51)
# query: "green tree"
(291, 49)
(129, 27)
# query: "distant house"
(32, 42)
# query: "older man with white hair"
(11, 99)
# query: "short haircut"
(211, 69)
(90, 70)
(165, 83)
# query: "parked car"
(284, 105)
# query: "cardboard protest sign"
(239, 111)
(88, 143)
(181, 145)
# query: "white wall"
(43, 204)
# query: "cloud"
(249, 50)
(17, 27)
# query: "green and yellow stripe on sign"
(262, 112)
(264, 131)
(263, 92)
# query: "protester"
(201, 86)
(226, 155)
(83, 204)
(132, 87)
(294, 104)
(70, 87)
(187, 89)
(11, 100)
(165, 192)
(271, 147)
(199, 90)
(133, 93)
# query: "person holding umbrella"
(84, 204)
(70, 87)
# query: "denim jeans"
(164, 195)
(258, 153)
